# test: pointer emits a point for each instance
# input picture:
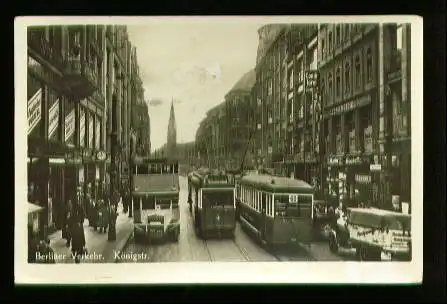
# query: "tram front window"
(217, 199)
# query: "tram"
(276, 210)
(155, 198)
(212, 201)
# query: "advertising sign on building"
(90, 131)
(98, 133)
(69, 125)
(53, 118)
(82, 127)
(34, 110)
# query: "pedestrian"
(94, 214)
(102, 216)
(78, 242)
(32, 245)
(68, 209)
(46, 251)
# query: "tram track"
(241, 250)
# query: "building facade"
(74, 74)
(236, 120)
(140, 122)
(341, 92)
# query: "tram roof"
(276, 184)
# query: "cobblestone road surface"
(240, 249)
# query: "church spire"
(172, 133)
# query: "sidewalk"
(100, 250)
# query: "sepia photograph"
(207, 143)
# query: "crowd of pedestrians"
(98, 213)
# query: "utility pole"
(113, 169)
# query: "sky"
(193, 62)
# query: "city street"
(242, 249)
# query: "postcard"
(218, 149)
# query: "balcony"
(40, 48)
(80, 78)
(395, 66)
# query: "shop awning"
(32, 208)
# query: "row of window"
(335, 35)
(253, 198)
(349, 77)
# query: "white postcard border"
(213, 272)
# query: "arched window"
(329, 85)
(347, 77)
(369, 65)
(357, 71)
(338, 82)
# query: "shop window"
(369, 65)
(347, 78)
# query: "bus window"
(142, 169)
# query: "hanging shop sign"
(53, 118)
(90, 131)
(335, 161)
(375, 167)
(34, 110)
(82, 128)
(69, 125)
(362, 178)
(357, 160)
(98, 134)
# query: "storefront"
(359, 180)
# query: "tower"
(172, 135)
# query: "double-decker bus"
(212, 200)
(156, 197)
(276, 210)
